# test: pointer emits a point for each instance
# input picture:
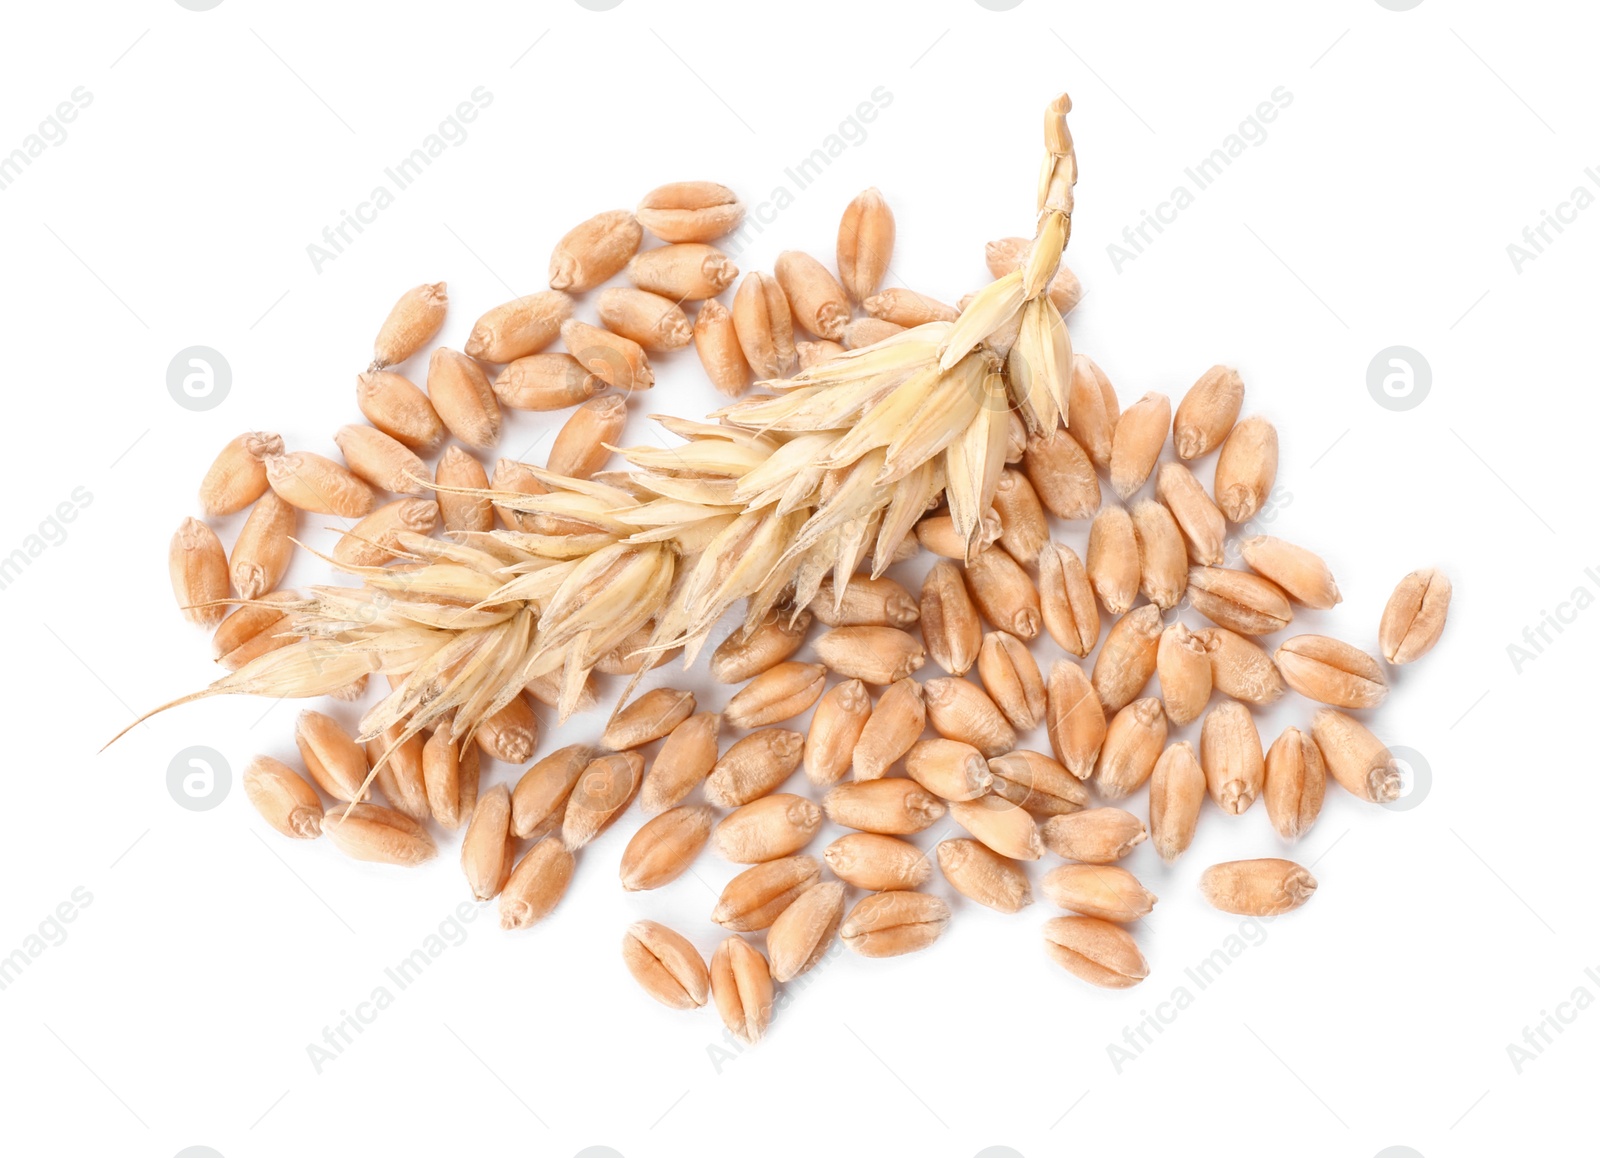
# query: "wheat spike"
(762, 502)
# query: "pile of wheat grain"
(972, 432)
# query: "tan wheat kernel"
(836, 726)
(866, 243)
(765, 829)
(536, 885)
(878, 863)
(664, 847)
(686, 271)
(198, 567)
(1177, 790)
(741, 987)
(893, 726)
(238, 476)
(686, 758)
(1295, 781)
(666, 965)
(690, 211)
(1095, 951)
(979, 873)
(1207, 412)
(283, 798)
(519, 328)
(1093, 836)
(892, 924)
(1257, 888)
(594, 251)
(818, 301)
(1231, 757)
(411, 324)
(716, 341)
(803, 931)
(1413, 619)
(461, 394)
(1104, 891)
(754, 899)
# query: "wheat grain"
(741, 987)
(983, 875)
(1183, 669)
(756, 897)
(1037, 783)
(1240, 667)
(1113, 559)
(1104, 891)
(895, 723)
(690, 211)
(753, 767)
(684, 761)
(1231, 757)
(1294, 783)
(238, 475)
(198, 567)
(519, 328)
(549, 381)
(1257, 888)
(536, 885)
(1127, 659)
(1093, 836)
(764, 326)
(716, 341)
(373, 833)
(394, 404)
(780, 693)
(1356, 758)
(666, 965)
(1246, 468)
(283, 798)
(486, 850)
(1177, 790)
(803, 931)
(766, 829)
(1331, 671)
(892, 805)
(594, 251)
(664, 847)
(1134, 740)
(895, 923)
(460, 392)
(1413, 619)
(866, 243)
(1207, 412)
(1136, 444)
(411, 324)
(686, 271)
(745, 654)
(1095, 951)
(879, 863)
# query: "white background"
(178, 1008)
